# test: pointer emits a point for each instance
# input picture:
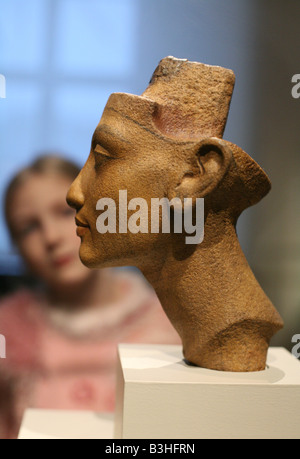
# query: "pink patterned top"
(67, 360)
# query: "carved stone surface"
(168, 143)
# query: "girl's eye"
(27, 230)
(63, 212)
(68, 212)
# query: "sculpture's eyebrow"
(107, 137)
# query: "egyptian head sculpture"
(165, 144)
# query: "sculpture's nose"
(75, 196)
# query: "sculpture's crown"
(194, 98)
(185, 101)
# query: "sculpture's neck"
(212, 298)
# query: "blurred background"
(63, 58)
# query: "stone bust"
(167, 143)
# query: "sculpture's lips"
(82, 227)
(81, 224)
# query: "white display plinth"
(160, 397)
(60, 425)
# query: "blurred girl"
(61, 338)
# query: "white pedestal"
(71, 425)
(160, 397)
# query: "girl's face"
(45, 231)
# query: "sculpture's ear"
(212, 157)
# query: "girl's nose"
(51, 234)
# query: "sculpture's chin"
(97, 260)
(88, 258)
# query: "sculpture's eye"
(98, 150)
(101, 155)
